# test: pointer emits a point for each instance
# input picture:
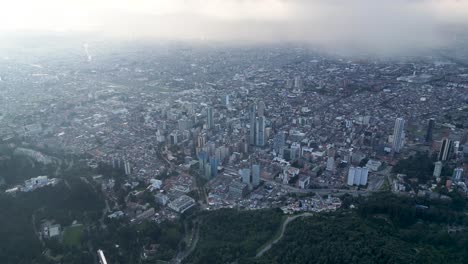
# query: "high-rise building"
(445, 149)
(201, 140)
(209, 118)
(227, 101)
(295, 151)
(260, 131)
(245, 174)
(430, 127)
(253, 123)
(279, 141)
(437, 169)
(127, 167)
(357, 176)
(398, 134)
(255, 175)
(297, 82)
(457, 174)
(202, 160)
(214, 167)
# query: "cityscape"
(139, 152)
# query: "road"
(283, 228)
(192, 242)
(352, 192)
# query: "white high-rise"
(437, 169)
(357, 176)
(398, 134)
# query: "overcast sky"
(377, 24)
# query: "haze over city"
(380, 27)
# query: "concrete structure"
(161, 198)
(237, 190)
(127, 167)
(209, 117)
(398, 134)
(261, 108)
(437, 169)
(182, 204)
(304, 182)
(357, 176)
(253, 124)
(260, 131)
(245, 175)
(445, 149)
(373, 165)
(255, 175)
(457, 174)
(430, 128)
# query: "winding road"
(283, 228)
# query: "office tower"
(214, 167)
(261, 108)
(209, 118)
(295, 151)
(430, 127)
(457, 174)
(279, 141)
(201, 140)
(437, 169)
(398, 134)
(255, 175)
(253, 123)
(297, 82)
(445, 149)
(127, 167)
(245, 174)
(207, 171)
(260, 131)
(227, 100)
(202, 160)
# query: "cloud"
(385, 26)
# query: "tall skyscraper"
(245, 174)
(260, 131)
(297, 82)
(214, 167)
(430, 127)
(253, 123)
(445, 149)
(279, 141)
(209, 118)
(457, 174)
(398, 134)
(255, 175)
(437, 169)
